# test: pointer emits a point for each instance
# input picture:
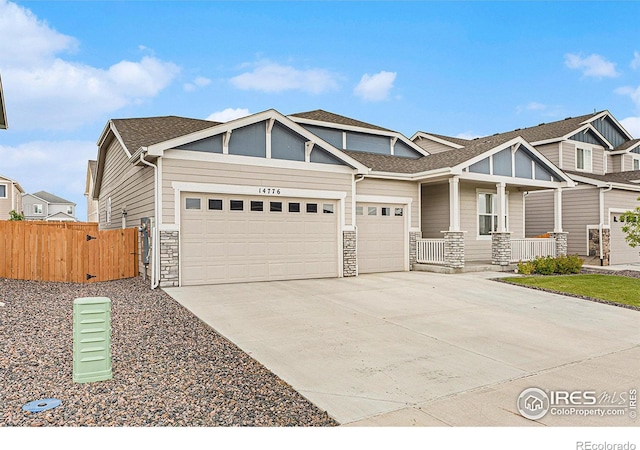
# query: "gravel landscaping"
(169, 369)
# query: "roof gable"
(329, 118)
(50, 198)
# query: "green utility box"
(91, 339)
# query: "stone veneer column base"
(349, 254)
(561, 241)
(501, 248)
(169, 263)
(454, 249)
(413, 251)
(594, 244)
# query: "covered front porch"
(474, 219)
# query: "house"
(312, 194)
(92, 205)
(603, 159)
(3, 112)
(45, 206)
(10, 197)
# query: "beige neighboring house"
(45, 206)
(310, 195)
(10, 197)
(92, 204)
(603, 160)
(3, 113)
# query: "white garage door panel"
(621, 252)
(381, 239)
(238, 246)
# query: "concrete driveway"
(415, 348)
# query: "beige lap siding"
(551, 152)
(435, 210)
(244, 175)
(130, 187)
(569, 157)
(392, 188)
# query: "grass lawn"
(611, 288)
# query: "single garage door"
(235, 238)
(621, 252)
(381, 237)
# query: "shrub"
(545, 265)
(526, 267)
(548, 265)
(14, 215)
(567, 264)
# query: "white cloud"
(635, 64)
(63, 162)
(375, 87)
(228, 114)
(43, 90)
(271, 77)
(592, 66)
(632, 125)
(531, 106)
(633, 93)
(199, 82)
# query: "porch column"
(501, 238)
(454, 204)
(557, 210)
(501, 226)
(557, 234)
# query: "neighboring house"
(92, 205)
(604, 161)
(314, 194)
(10, 197)
(3, 112)
(45, 206)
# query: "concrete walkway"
(415, 348)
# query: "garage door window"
(236, 205)
(385, 211)
(257, 205)
(372, 211)
(359, 211)
(215, 204)
(327, 208)
(399, 212)
(312, 208)
(294, 207)
(192, 203)
(275, 206)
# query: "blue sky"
(457, 68)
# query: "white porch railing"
(531, 248)
(430, 251)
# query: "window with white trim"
(3, 191)
(488, 213)
(636, 163)
(584, 159)
(37, 209)
(70, 210)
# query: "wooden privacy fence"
(75, 252)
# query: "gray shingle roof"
(452, 139)
(147, 131)
(3, 113)
(50, 198)
(325, 116)
(450, 158)
(627, 177)
(627, 144)
(549, 130)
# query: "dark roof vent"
(567, 118)
(540, 124)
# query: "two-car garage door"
(236, 238)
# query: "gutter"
(155, 254)
(601, 224)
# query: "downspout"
(601, 224)
(155, 257)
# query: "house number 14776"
(269, 191)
